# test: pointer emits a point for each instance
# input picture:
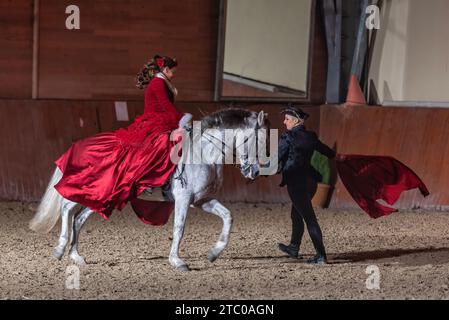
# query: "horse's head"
(244, 129)
(251, 136)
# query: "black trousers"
(302, 211)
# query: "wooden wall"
(31, 136)
(16, 43)
(116, 38)
(418, 137)
(120, 36)
(34, 133)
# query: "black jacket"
(295, 150)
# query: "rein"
(224, 144)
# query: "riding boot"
(318, 259)
(291, 250)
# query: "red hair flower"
(160, 62)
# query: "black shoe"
(318, 259)
(291, 250)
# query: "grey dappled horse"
(192, 184)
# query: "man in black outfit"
(296, 147)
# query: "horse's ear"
(261, 118)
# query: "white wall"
(427, 64)
(268, 40)
(411, 55)
(388, 65)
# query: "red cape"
(370, 178)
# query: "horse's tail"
(49, 208)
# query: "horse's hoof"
(58, 253)
(183, 268)
(78, 260)
(212, 256)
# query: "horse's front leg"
(181, 208)
(215, 207)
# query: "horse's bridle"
(237, 165)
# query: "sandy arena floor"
(128, 260)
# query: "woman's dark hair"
(151, 68)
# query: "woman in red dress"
(107, 170)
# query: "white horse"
(193, 184)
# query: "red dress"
(107, 170)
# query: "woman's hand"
(186, 121)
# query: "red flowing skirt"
(107, 170)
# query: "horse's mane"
(228, 118)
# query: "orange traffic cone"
(355, 94)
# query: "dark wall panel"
(319, 61)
